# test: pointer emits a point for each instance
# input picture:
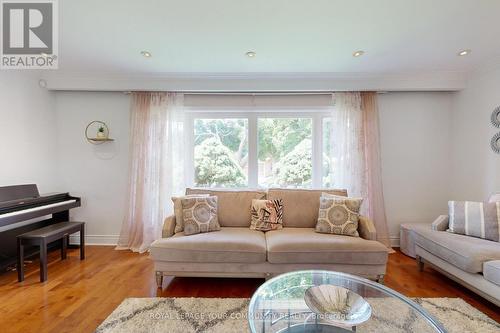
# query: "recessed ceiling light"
(146, 54)
(42, 83)
(251, 54)
(358, 53)
(464, 52)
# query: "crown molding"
(255, 82)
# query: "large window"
(221, 152)
(258, 149)
(285, 152)
(327, 177)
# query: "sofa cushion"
(267, 215)
(179, 218)
(338, 215)
(464, 252)
(300, 207)
(199, 215)
(304, 245)
(491, 271)
(476, 219)
(234, 205)
(238, 245)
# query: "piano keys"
(23, 209)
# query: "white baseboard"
(95, 239)
(113, 240)
(394, 241)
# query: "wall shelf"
(100, 139)
(98, 127)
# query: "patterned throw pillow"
(267, 215)
(476, 219)
(179, 219)
(200, 215)
(338, 215)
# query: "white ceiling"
(289, 36)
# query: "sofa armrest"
(366, 228)
(168, 227)
(441, 223)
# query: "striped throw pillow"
(476, 219)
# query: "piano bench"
(42, 237)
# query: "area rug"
(229, 315)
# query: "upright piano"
(23, 209)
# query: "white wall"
(97, 173)
(415, 141)
(28, 132)
(435, 147)
(476, 168)
(415, 154)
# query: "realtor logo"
(29, 34)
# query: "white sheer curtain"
(347, 144)
(156, 166)
(355, 153)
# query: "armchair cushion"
(464, 252)
(441, 223)
(491, 271)
(476, 219)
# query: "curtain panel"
(355, 153)
(156, 170)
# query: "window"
(327, 159)
(221, 152)
(285, 152)
(253, 149)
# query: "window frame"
(317, 114)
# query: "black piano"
(23, 209)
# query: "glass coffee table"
(284, 304)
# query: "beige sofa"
(237, 251)
(472, 262)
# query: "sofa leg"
(420, 263)
(159, 279)
(380, 278)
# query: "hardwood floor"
(79, 295)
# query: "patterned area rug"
(229, 315)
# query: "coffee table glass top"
(279, 306)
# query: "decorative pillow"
(200, 215)
(267, 215)
(179, 226)
(338, 215)
(334, 196)
(476, 219)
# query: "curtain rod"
(243, 93)
(246, 93)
